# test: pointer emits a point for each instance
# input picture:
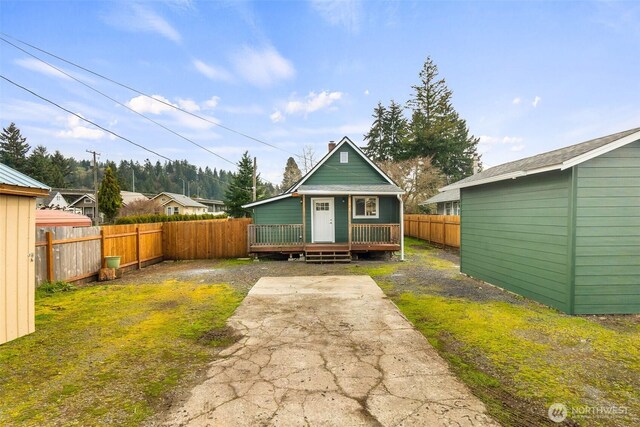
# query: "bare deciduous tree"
(140, 207)
(417, 177)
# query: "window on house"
(87, 201)
(365, 207)
(322, 206)
(344, 157)
(176, 210)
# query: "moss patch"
(109, 354)
(532, 352)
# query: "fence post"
(138, 255)
(49, 256)
(102, 249)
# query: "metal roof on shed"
(11, 176)
(55, 218)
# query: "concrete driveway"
(327, 350)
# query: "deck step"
(327, 256)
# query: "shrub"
(149, 218)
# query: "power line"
(147, 96)
(82, 118)
(116, 101)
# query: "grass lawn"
(519, 357)
(109, 354)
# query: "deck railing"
(274, 234)
(375, 233)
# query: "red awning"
(55, 218)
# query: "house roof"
(48, 199)
(560, 159)
(445, 196)
(131, 196)
(55, 218)
(366, 189)
(11, 179)
(89, 196)
(181, 199)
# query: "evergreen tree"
(291, 174)
(240, 189)
(61, 170)
(14, 148)
(109, 198)
(436, 130)
(378, 147)
(39, 165)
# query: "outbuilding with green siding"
(562, 227)
(346, 203)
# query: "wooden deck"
(301, 248)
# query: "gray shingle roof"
(11, 176)
(351, 189)
(544, 160)
(445, 196)
(184, 200)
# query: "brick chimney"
(332, 145)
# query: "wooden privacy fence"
(216, 238)
(441, 229)
(72, 254)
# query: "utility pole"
(96, 212)
(133, 179)
(182, 186)
(255, 187)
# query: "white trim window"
(344, 157)
(365, 207)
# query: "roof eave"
(601, 150)
(270, 199)
(348, 193)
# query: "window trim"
(344, 157)
(365, 216)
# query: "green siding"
(356, 171)
(389, 214)
(515, 234)
(607, 264)
(283, 211)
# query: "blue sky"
(527, 76)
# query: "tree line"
(59, 171)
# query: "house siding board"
(356, 171)
(283, 211)
(515, 234)
(607, 275)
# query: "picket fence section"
(439, 229)
(72, 254)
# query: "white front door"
(322, 228)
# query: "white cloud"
(40, 67)
(366, 92)
(76, 131)
(262, 67)
(517, 148)
(516, 101)
(143, 104)
(211, 103)
(536, 101)
(341, 13)
(511, 139)
(188, 105)
(137, 18)
(277, 117)
(312, 102)
(488, 143)
(212, 72)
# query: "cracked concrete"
(328, 350)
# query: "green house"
(346, 204)
(562, 227)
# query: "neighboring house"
(212, 205)
(447, 202)
(18, 194)
(131, 196)
(344, 205)
(84, 205)
(174, 204)
(562, 227)
(54, 200)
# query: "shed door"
(322, 221)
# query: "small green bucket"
(112, 261)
